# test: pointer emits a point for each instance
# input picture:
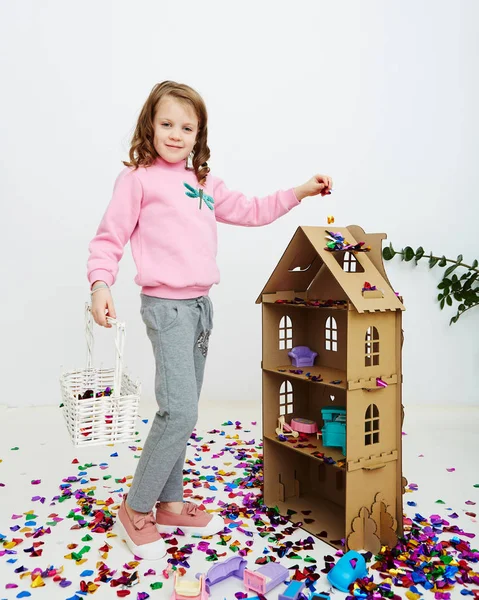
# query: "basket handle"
(119, 345)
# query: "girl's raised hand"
(318, 184)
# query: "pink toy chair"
(302, 356)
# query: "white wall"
(380, 95)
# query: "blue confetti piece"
(86, 573)
(30, 523)
(233, 525)
(81, 473)
(84, 481)
(114, 454)
(144, 420)
(23, 595)
(412, 503)
(12, 560)
(213, 488)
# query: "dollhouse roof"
(306, 259)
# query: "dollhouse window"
(285, 333)
(286, 398)
(371, 425)
(331, 334)
(349, 262)
(371, 347)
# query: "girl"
(167, 204)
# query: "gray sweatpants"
(179, 331)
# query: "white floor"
(434, 441)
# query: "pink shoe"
(192, 520)
(140, 534)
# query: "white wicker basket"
(106, 419)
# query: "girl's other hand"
(318, 184)
(102, 306)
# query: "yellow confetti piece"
(104, 555)
(129, 477)
(330, 219)
(37, 582)
(10, 545)
(92, 587)
(68, 556)
(110, 534)
(80, 562)
(227, 463)
(25, 574)
(25, 530)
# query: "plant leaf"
(459, 258)
(449, 301)
(449, 270)
(419, 253)
(408, 253)
(443, 262)
(433, 260)
(387, 254)
(442, 303)
(475, 264)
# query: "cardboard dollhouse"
(357, 335)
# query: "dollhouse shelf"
(326, 373)
(327, 516)
(334, 453)
(306, 306)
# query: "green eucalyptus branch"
(464, 289)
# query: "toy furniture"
(292, 591)
(189, 590)
(349, 479)
(302, 356)
(233, 566)
(334, 429)
(304, 425)
(265, 578)
(284, 429)
(347, 570)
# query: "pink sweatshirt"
(171, 223)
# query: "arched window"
(285, 333)
(371, 425)
(349, 262)
(371, 347)
(286, 398)
(331, 334)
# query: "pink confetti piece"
(36, 481)
(451, 470)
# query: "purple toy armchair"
(302, 356)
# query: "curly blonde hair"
(142, 151)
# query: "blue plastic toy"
(317, 595)
(347, 570)
(334, 429)
(292, 591)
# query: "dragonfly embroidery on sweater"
(194, 193)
